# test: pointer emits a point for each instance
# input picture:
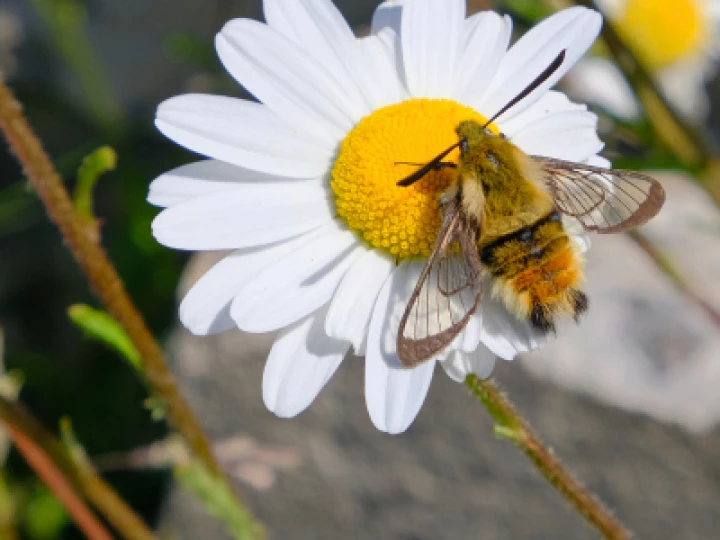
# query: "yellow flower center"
(664, 31)
(401, 221)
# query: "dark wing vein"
(446, 295)
(602, 200)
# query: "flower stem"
(510, 425)
(101, 275)
(7, 511)
(66, 22)
(687, 142)
(669, 268)
(47, 456)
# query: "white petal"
(253, 215)
(206, 307)
(577, 233)
(569, 135)
(551, 103)
(431, 37)
(394, 394)
(387, 15)
(354, 300)
(599, 161)
(382, 56)
(503, 333)
(301, 362)
(297, 285)
(573, 30)
(201, 178)
(319, 28)
(390, 42)
(583, 242)
(286, 79)
(471, 336)
(600, 81)
(485, 46)
(243, 133)
(459, 365)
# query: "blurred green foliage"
(65, 373)
(218, 499)
(44, 517)
(100, 325)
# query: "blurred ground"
(642, 347)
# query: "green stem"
(217, 498)
(101, 275)
(65, 20)
(688, 143)
(93, 166)
(48, 457)
(671, 271)
(7, 511)
(510, 425)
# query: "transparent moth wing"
(447, 293)
(602, 200)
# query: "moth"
(502, 229)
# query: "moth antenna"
(552, 68)
(417, 175)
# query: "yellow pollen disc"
(402, 221)
(662, 32)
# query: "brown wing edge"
(413, 352)
(645, 211)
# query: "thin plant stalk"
(102, 275)
(41, 449)
(671, 271)
(8, 529)
(512, 426)
(66, 22)
(689, 144)
(53, 478)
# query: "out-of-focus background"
(629, 399)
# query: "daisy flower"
(302, 185)
(678, 41)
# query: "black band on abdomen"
(521, 235)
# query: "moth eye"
(492, 158)
(464, 146)
(488, 132)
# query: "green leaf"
(101, 326)
(218, 499)
(102, 160)
(531, 11)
